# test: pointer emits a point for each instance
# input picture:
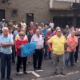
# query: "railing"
(72, 1)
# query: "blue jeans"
(69, 57)
(50, 55)
(5, 59)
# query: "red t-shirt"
(31, 28)
(34, 30)
(18, 44)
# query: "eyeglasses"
(22, 35)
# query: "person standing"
(58, 49)
(30, 35)
(19, 43)
(51, 25)
(47, 23)
(0, 50)
(72, 42)
(32, 27)
(29, 39)
(23, 24)
(44, 31)
(77, 34)
(67, 30)
(36, 25)
(38, 54)
(6, 42)
(48, 36)
(13, 50)
(15, 25)
(42, 25)
(10, 33)
(40, 29)
(3, 23)
(18, 37)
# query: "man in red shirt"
(31, 27)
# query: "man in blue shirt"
(44, 31)
(30, 35)
(6, 42)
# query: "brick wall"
(40, 8)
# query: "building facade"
(41, 11)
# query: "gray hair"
(5, 28)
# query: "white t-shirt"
(23, 24)
(51, 25)
(38, 40)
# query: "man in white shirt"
(23, 24)
(51, 24)
(3, 23)
(38, 54)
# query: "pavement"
(47, 74)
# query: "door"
(58, 21)
(30, 17)
(78, 22)
(2, 14)
(62, 21)
(67, 21)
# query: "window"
(14, 13)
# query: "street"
(47, 74)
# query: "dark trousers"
(37, 57)
(72, 58)
(0, 54)
(76, 53)
(19, 60)
(46, 47)
(13, 54)
(5, 58)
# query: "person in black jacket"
(77, 48)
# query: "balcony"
(62, 4)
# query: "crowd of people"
(60, 45)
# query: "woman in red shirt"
(19, 43)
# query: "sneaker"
(77, 61)
(62, 73)
(40, 70)
(25, 72)
(19, 73)
(55, 73)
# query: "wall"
(40, 8)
